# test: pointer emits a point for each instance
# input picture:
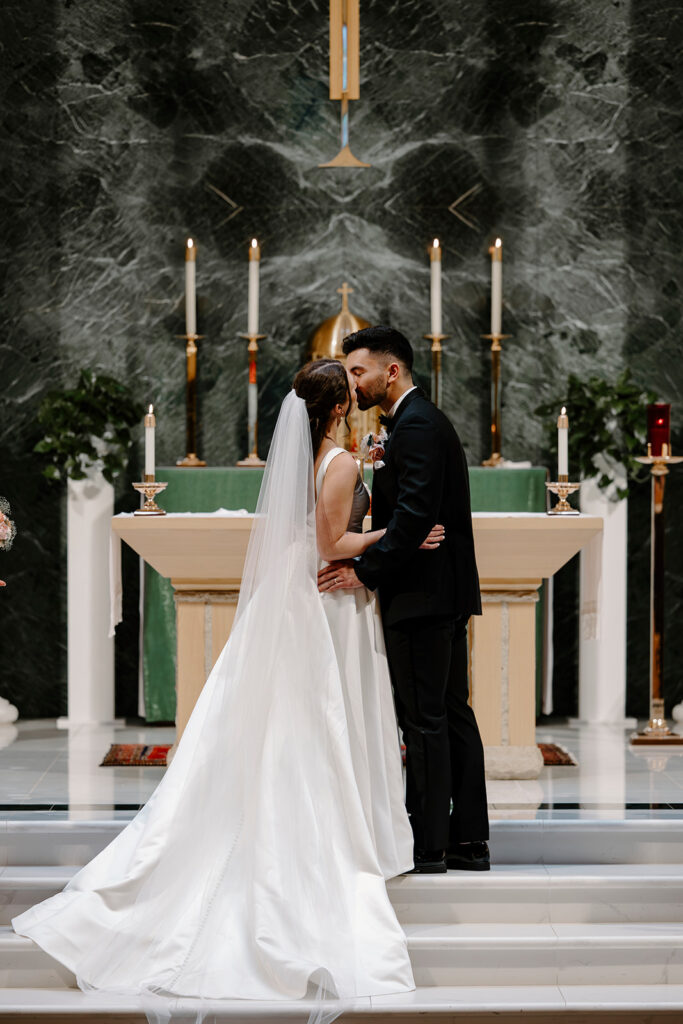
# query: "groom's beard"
(367, 399)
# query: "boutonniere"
(372, 448)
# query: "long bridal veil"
(250, 873)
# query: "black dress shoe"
(429, 862)
(469, 857)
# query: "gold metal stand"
(657, 731)
(436, 340)
(495, 458)
(562, 488)
(150, 488)
(252, 460)
(191, 460)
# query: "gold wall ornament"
(326, 343)
(344, 71)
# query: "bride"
(257, 868)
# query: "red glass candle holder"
(659, 427)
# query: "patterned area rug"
(136, 754)
(554, 756)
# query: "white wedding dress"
(356, 629)
(257, 868)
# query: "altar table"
(203, 554)
(205, 490)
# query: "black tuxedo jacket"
(424, 481)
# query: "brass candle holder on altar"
(562, 488)
(657, 731)
(436, 340)
(150, 488)
(252, 460)
(495, 458)
(191, 460)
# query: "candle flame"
(436, 243)
(254, 243)
(151, 409)
(190, 243)
(499, 242)
(660, 422)
(564, 411)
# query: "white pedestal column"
(602, 608)
(90, 506)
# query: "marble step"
(544, 1004)
(574, 841)
(500, 954)
(541, 894)
(509, 893)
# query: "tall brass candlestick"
(496, 456)
(191, 459)
(657, 731)
(252, 460)
(191, 338)
(436, 340)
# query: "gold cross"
(345, 291)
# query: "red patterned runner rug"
(137, 754)
(140, 755)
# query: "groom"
(426, 599)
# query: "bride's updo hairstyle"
(322, 384)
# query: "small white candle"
(563, 445)
(150, 424)
(435, 258)
(254, 260)
(190, 288)
(496, 287)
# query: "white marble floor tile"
(45, 765)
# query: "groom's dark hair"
(386, 341)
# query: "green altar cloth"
(206, 490)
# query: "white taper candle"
(435, 263)
(496, 287)
(190, 288)
(254, 261)
(563, 445)
(150, 424)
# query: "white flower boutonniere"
(372, 448)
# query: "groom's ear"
(394, 371)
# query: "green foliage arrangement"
(88, 426)
(608, 428)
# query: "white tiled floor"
(45, 771)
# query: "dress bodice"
(361, 499)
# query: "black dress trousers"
(444, 753)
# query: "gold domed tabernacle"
(326, 343)
(327, 339)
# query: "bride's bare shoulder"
(342, 468)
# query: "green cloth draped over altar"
(206, 490)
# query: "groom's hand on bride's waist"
(338, 576)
